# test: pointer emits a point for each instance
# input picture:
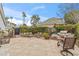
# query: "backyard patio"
(32, 46)
(54, 36)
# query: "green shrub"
(59, 28)
(46, 35)
(77, 33)
(23, 29)
(77, 30)
(39, 29)
(68, 27)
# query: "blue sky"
(44, 10)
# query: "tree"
(11, 18)
(69, 12)
(34, 20)
(67, 7)
(6, 18)
(72, 17)
(23, 15)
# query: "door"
(17, 31)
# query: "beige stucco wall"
(2, 26)
(2, 18)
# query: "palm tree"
(23, 15)
(6, 18)
(11, 18)
(35, 19)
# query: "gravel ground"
(24, 46)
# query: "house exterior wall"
(2, 18)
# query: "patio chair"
(1, 36)
(68, 43)
(5, 38)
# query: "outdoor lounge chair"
(5, 38)
(68, 43)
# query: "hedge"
(68, 27)
(25, 29)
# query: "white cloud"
(17, 16)
(15, 21)
(37, 8)
(11, 12)
(14, 13)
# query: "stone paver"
(24, 46)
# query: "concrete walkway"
(24, 46)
